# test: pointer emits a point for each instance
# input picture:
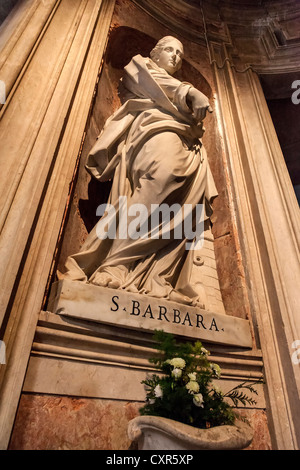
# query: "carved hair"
(154, 54)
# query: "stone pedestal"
(137, 311)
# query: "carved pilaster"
(43, 121)
(268, 220)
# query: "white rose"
(216, 369)
(193, 387)
(177, 362)
(198, 400)
(158, 391)
(217, 389)
(177, 373)
(192, 376)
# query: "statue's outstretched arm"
(198, 103)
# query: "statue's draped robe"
(151, 149)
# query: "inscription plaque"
(138, 311)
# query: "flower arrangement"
(186, 392)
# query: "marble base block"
(141, 312)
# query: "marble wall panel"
(66, 423)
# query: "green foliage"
(238, 396)
(184, 391)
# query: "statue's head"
(168, 54)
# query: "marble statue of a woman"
(151, 149)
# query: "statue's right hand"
(198, 103)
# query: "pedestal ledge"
(156, 433)
(141, 312)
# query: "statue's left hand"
(198, 103)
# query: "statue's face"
(170, 56)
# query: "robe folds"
(151, 148)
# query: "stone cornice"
(264, 37)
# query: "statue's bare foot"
(102, 279)
(180, 298)
(114, 284)
(199, 304)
